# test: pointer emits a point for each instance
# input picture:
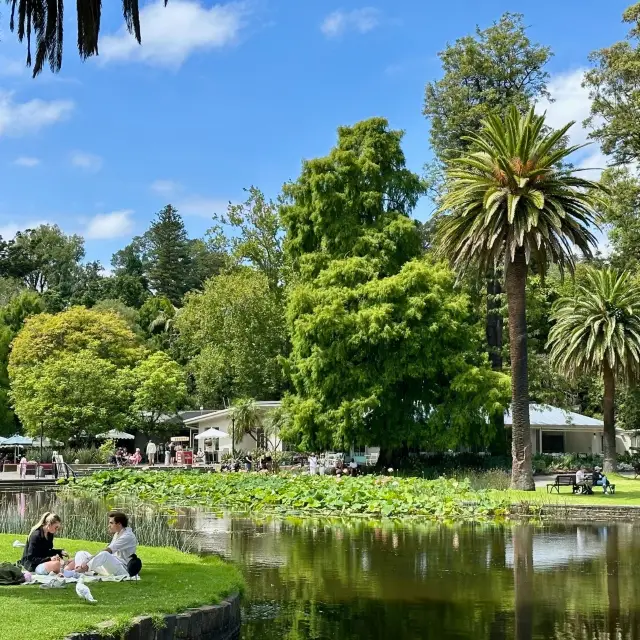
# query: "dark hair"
(119, 517)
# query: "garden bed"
(171, 582)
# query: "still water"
(326, 579)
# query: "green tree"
(46, 336)
(86, 370)
(45, 258)
(621, 214)
(598, 331)
(381, 345)
(247, 419)
(259, 238)
(70, 394)
(234, 333)
(158, 389)
(169, 255)
(12, 316)
(483, 74)
(508, 202)
(614, 83)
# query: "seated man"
(581, 481)
(114, 559)
(599, 479)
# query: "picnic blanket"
(35, 579)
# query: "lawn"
(171, 581)
(627, 493)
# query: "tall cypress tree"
(169, 255)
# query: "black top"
(39, 549)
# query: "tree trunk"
(493, 330)
(521, 467)
(609, 420)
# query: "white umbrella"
(17, 441)
(211, 433)
(46, 442)
(114, 434)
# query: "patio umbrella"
(45, 442)
(114, 434)
(14, 442)
(211, 433)
(17, 441)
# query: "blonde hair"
(46, 519)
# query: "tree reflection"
(523, 581)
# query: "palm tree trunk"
(609, 420)
(493, 329)
(521, 468)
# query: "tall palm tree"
(598, 331)
(43, 20)
(509, 200)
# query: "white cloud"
(359, 20)
(109, 225)
(86, 161)
(164, 187)
(170, 34)
(12, 67)
(27, 161)
(571, 102)
(202, 207)
(8, 230)
(19, 118)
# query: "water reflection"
(321, 579)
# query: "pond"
(326, 579)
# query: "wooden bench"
(563, 480)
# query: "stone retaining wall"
(578, 512)
(209, 622)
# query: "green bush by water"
(441, 499)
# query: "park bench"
(569, 480)
(563, 480)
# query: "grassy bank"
(442, 499)
(172, 581)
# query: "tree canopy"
(365, 309)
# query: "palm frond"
(598, 327)
(510, 193)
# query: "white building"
(222, 420)
(555, 430)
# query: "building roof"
(544, 415)
(264, 404)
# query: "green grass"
(171, 581)
(627, 493)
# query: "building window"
(552, 442)
(261, 439)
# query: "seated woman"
(39, 555)
(136, 458)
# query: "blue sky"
(220, 97)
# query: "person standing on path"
(151, 452)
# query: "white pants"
(103, 563)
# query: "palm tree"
(44, 20)
(598, 331)
(247, 419)
(508, 200)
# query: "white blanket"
(35, 579)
